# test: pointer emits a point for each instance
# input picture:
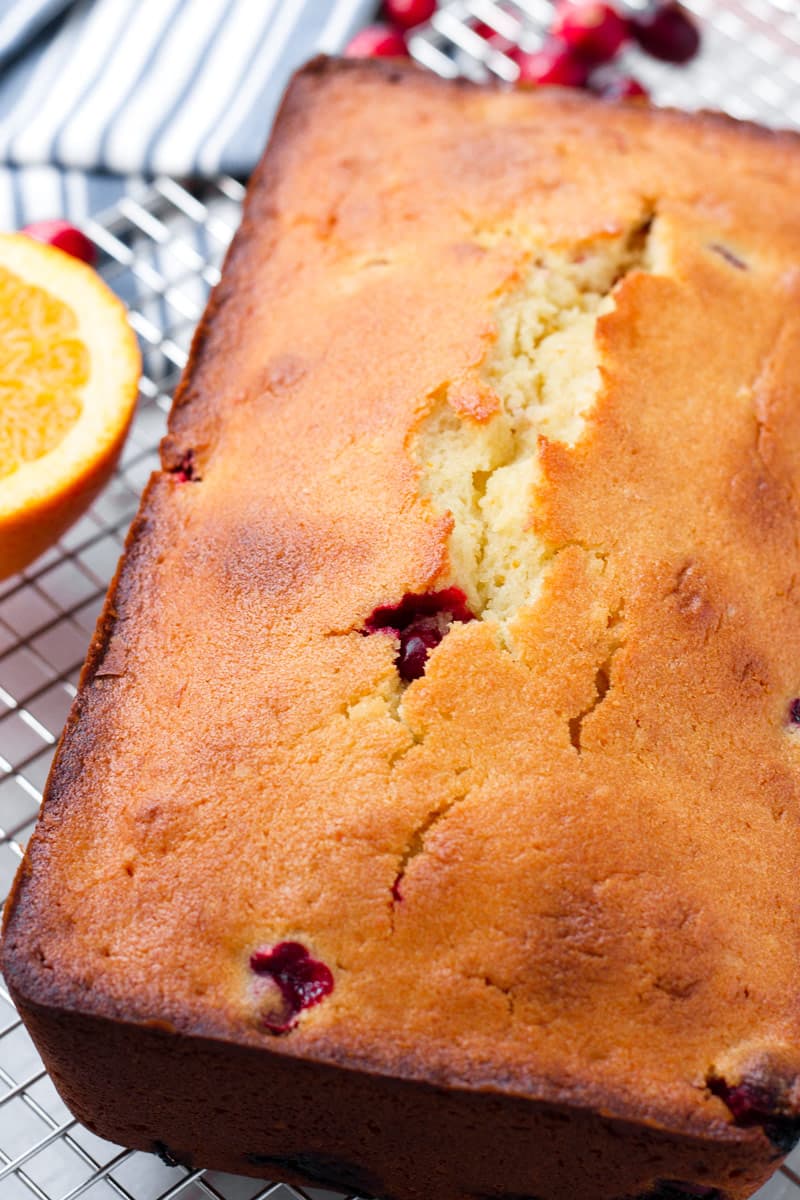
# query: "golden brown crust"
(603, 912)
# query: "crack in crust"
(481, 465)
(602, 678)
(478, 451)
(415, 845)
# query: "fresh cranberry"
(754, 1104)
(301, 980)
(554, 64)
(377, 41)
(405, 14)
(667, 32)
(494, 39)
(64, 237)
(419, 622)
(592, 31)
(624, 87)
(794, 711)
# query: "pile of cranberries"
(584, 35)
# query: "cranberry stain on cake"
(419, 622)
(794, 711)
(752, 1104)
(186, 470)
(301, 980)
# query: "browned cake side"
(544, 350)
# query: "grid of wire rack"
(161, 249)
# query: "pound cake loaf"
(427, 822)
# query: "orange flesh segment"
(44, 367)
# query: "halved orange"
(69, 372)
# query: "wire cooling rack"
(161, 249)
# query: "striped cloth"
(95, 90)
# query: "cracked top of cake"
(441, 718)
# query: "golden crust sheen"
(601, 926)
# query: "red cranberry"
(64, 237)
(416, 642)
(395, 617)
(554, 64)
(754, 1104)
(749, 1102)
(186, 472)
(301, 980)
(624, 87)
(592, 31)
(419, 623)
(377, 41)
(498, 40)
(668, 33)
(495, 39)
(405, 14)
(794, 711)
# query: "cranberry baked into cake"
(426, 824)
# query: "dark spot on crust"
(729, 256)
(693, 600)
(751, 672)
(794, 711)
(324, 1169)
(170, 1157)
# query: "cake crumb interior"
(543, 370)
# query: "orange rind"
(69, 372)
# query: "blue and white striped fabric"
(91, 90)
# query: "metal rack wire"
(160, 250)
